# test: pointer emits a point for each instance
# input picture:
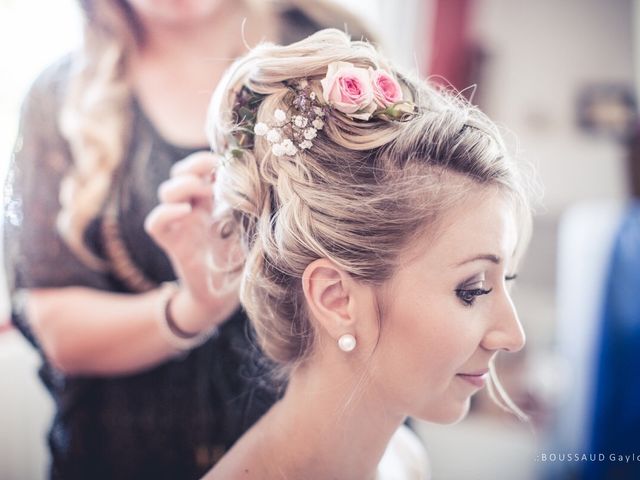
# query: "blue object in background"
(616, 410)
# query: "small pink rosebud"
(386, 89)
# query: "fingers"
(201, 164)
(164, 215)
(185, 188)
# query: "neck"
(187, 58)
(194, 39)
(330, 425)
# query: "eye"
(472, 288)
(468, 295)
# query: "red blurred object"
(5, 326)
(451, 56)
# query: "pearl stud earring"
(347, 342)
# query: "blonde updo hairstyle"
(358, 196)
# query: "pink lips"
(476, 379)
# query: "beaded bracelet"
(172, 333)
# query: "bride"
(380, 219)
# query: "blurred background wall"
(561, 78)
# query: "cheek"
(423, 344)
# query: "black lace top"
(172, 421)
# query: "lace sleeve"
(34, 253)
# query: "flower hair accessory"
(289, 134)
(363, 93)
(358, 93)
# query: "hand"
(182, 226)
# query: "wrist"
(181, 337)
(189, 315)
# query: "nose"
(505, 331)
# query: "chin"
(181, 12)
(447, 414)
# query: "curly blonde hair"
(94, 118)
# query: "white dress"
(405, 458)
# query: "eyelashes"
(468, 296)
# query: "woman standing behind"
(148, 381)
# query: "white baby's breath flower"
(305, 144)
(310, 133)
(287, 147)
(279, 115)
(277, 149)
(291, 149)
(300, 121)
(318, 124)
(312, 95)
(260, 129)
(318, 111)
(273, 136)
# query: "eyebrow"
(483, 256)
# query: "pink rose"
(348, 89)
(386, 89)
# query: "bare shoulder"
(234, 467)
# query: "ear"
(333, 297)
